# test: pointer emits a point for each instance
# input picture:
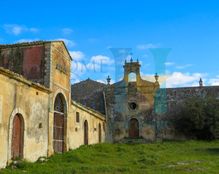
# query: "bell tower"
(132, 68)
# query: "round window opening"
(132, 105)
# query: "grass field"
(168, 157)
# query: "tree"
(198, 118)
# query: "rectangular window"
(77, 117)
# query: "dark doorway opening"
(133, 128)
(85, 132)
(100, 133)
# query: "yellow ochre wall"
(36, 105)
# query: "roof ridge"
(38, 42)
(87, 80)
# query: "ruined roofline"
(90, 110)
(191, 87)
(33, 43)
(20, 78)
(40, 42)
(88, 80)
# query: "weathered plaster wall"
(51, 63)
(118, 99)
(76, 129)
(25, 60)
(20, 96)
(59, 67)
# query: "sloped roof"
(90, 94)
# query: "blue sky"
(91, 28)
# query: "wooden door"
(86, 132)
(133, 128)
(17, 137)
(59, 124)
(100, 133)
(58, 133)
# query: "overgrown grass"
(156, 158)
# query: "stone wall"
(27, 60)
(127, 100)
(154, 107)
(76, 129)
(90, 94)
(36, 104)
(19, 96)
(167, 103)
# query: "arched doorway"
(59, 124)
(100, 133)
(133, 128)
(85, 132)
(17, 144)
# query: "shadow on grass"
(211, 151)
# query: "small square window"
(77, 117)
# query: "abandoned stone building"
(42, 113)
(37, 115)
(137, 108)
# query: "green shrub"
(198, 118)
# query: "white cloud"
(67, 31)
(18, 29)
(77, 70)
(80, 67)
(214, 81)
(169, 63)
(69, 43)
(93, 66)
(76, 55)
(183, 66)
(102, 81)
(100, 59)
(147, 46)
(179, 79)
(96, 64)
(75, 78)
